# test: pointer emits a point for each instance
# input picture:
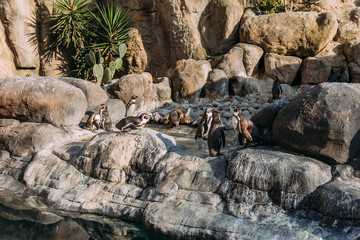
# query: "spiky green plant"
(112, 29)
(71, 23)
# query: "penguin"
(105, 122)
(176, 117)
(187, 118)
(216, 135)
(332, 76)
(93, 122)
(236, 122)
(129, 123)
(131, 107)
(343, 77)
(247, 130)
(204, 124)
(276, 88)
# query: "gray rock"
(217, 85)
(321, 122)
(42, 99)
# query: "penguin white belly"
(130, 111)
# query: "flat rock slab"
(42, 99)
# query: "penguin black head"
(216, 117)
(276, 78)
(145, 117)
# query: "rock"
(317, 69)
(352, 52)
(8, 68)
(117, 109)
(136, 59)
(217, 85)
(286, 177)
(107, 155)
(42, 99)
(264, 119)
(180, 21)
(321, 122)
(94, 94)
(150, 95)
(9, 122)
(4, 155)
(18, 17)
(284, 67)
(251, 57)
(241, 86)
(188, 78)
(220, 36)
(339, 199)
(29, 138)
(304, 34)
(232, 63)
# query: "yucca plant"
(71, 23)
(111, 30)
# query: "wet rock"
(220, 36)
(42, 99)
(284, 67)
(217, 85)
(251, 57)
(188, 78)
(321, 122)
(304, 34)
(232, 63)
(339, 199)
(287, 178)
(94, 94)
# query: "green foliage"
(271, 6)
(72, 27)
(103, 71)
(70, 23)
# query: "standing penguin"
(332, 76)
(175, 117)
(247, 130)
(216, 135)
(131, 106)
(236, 122)
(343, 77)
(204, 124)
(105, 122)
(276, 88)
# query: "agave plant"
(71, 22)
(111, 30)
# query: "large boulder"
(188, 78)
(352, 52)
(317, 69)
(8, 68)
(136, 60)
(251, 57)
(217, 85)
(28, 138)
(301, 34)
(220, 36)
(94, 94)
(108, 156)
(242, 86)
(284, 67)
(18, 17)
(322, 122)
(232, 63)
(42, 99)
(286, 178)
(150, 95)
(338, 199)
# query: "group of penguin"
(103, 120)
(209, 128)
